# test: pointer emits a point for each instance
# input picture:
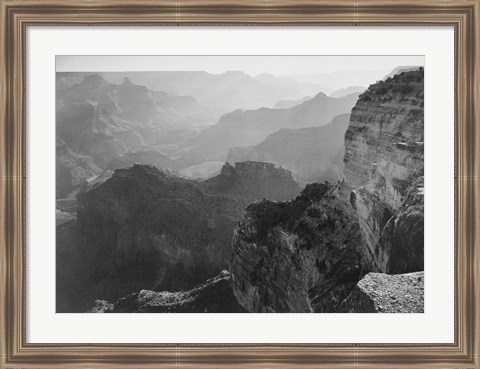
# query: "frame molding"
(17, 15)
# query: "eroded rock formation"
(148, 228)
(384, 167)
(306, 255)
(297, 256)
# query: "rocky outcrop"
(313, 154)
(383, 158)
(214, 296)
(384, 293)
(297, 256)
(147, 228)
(252, 180)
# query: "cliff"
(383, 158)
(251, 181)
(308, 254)
(147, 228)
(298, 256)
(312, 154)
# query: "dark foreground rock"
(214, 296)
(146, 228)
(387, 293)
(298, 256)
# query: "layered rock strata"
(383, 160)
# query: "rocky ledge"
(214, 296)
(386, 293)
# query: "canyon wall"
(383, 160)
(308, 254)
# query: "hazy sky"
(252, 65)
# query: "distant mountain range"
(287, 104)
(222, 92)
(341, 79)
(347, 91)
(98, 121)
(251, 127)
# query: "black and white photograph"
(239, 184)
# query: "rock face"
(384, 293)
(214, 296)
(383, 160)
(253, 180)
(313, 154)
(297, 256)
(306, 255)
(146, 228)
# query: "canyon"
(317, 207)
(307, 255)
(242, 128)
(312, 154)
(147, 227)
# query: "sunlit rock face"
(383, 159)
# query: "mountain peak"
(320, 96)
(126, 81)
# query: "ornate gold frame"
(16, 15)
